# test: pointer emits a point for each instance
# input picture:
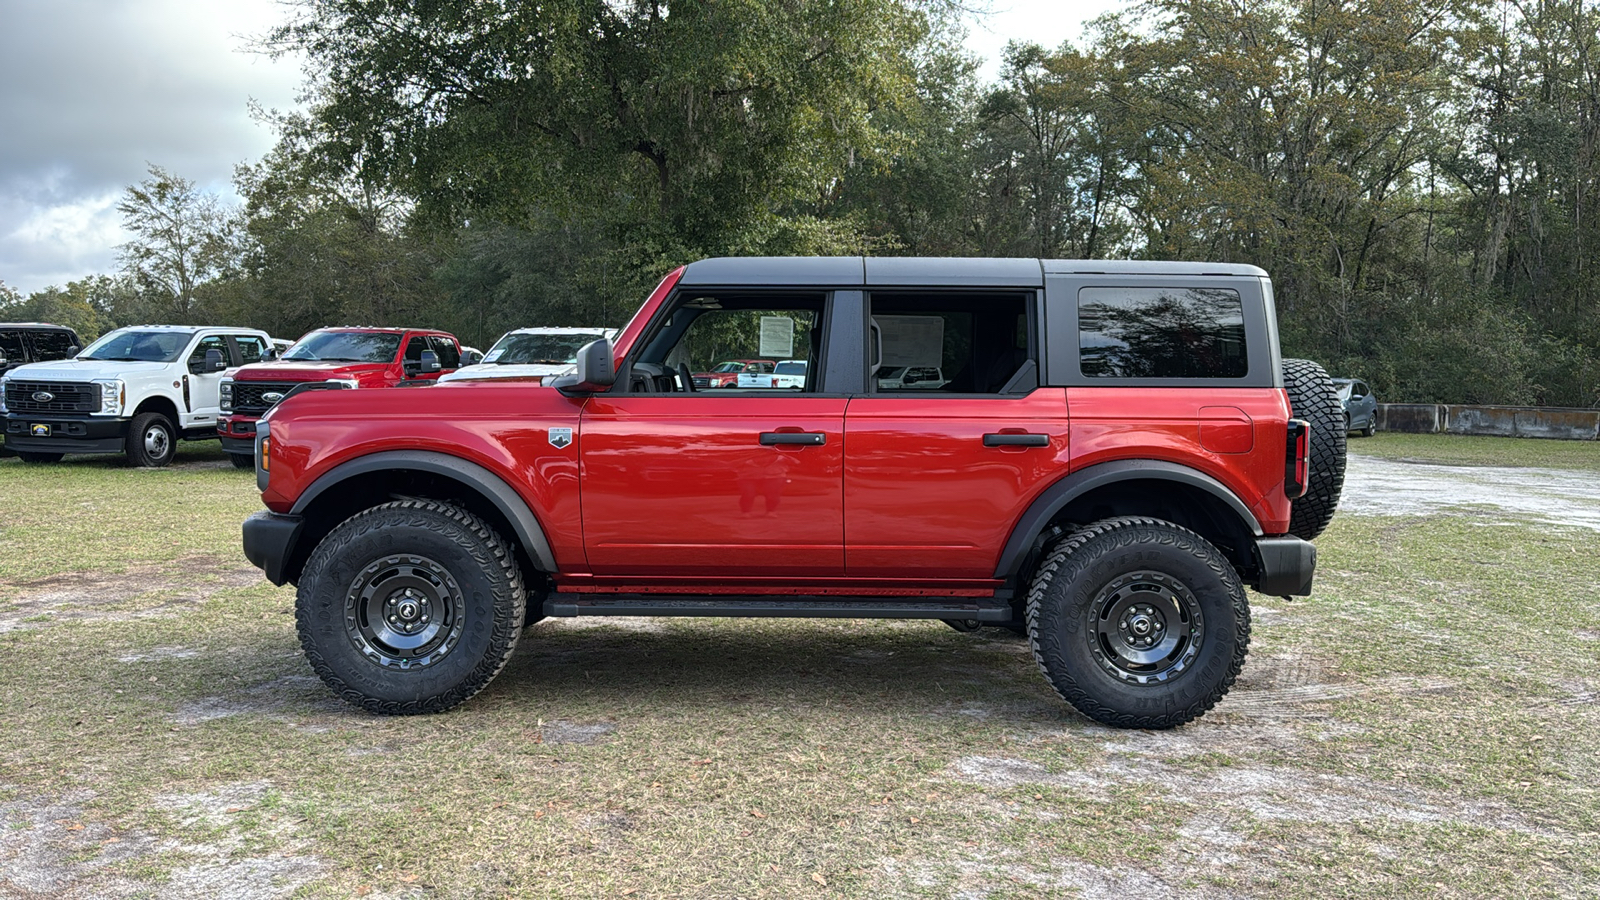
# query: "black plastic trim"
(510, 504)
(1058, 495)
(1288, 565)
(799, 438)
(268, 540)
(983, 609)
(1016, 440)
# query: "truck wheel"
(1313, 398)
(151, 441)
(28, 456)
(410, 607)
(1138, 623)
(242, 460)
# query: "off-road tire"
(152, 441)
(1313, 397)
(29, 456)
(1109, 564)
(243, 460)
(478, 597)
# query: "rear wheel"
(410, 607)
(1138, 623)
(1313, 397)
(29, 456)
(152, 441)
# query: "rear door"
(200, 388)
(938, 469)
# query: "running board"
(983, 609)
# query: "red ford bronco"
(329, 357)
(1113, 450)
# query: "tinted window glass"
(449, 356)
(11, 348)
(197, 359)
(50, 344)
(251, 349)
(548, 349)
(952, 344)
(1161, 333)
(346, 346)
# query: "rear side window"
(1161, 333)
(51, 344)
(252, 349)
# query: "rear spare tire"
(1313, 397)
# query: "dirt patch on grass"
(273, 699)
(98, 596)
(1386, 487)
(47, 850)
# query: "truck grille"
(248, 396)
(701, 381)
(65, 397)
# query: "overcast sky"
(91, 91)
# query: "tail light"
(1297, 459)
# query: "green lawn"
(1473, 450)
(1425, 725)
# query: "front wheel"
(1138, 623)
(242, 460)
(152, 441)
(410, 607)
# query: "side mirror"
(214, 361)
(72, 350)
(596, 370)
(430, 362)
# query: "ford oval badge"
(272, 396)
(43, 396)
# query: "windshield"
(346, 346)
(526, 349)
(133, 345)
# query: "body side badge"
(561, 438)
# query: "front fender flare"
(1056, 497)
(493, 488)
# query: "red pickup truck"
(344, 357)
(1113, 451)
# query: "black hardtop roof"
(946, 271)
(37, 326)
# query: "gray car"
(1360, 407)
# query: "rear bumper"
(1287, 566)
(66, 435)
(269, 539)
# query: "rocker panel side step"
(984, 610)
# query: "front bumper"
(1287, 566)
(269, 539)
(66, 435)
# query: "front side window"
(137, 345)
(1161, 333)
(345, 346)
(731, 343)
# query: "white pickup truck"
(136, 390)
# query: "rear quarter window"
(1134, 332)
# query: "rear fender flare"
(491, 486)
(1056, 497)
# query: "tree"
(182, 240)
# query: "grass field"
(1474, 450)
(1425, 725)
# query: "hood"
(484, 371)
(296, 370)
(83, 369)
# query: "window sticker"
(777, 336)
(911, 340)
(494, 354)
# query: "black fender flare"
(1056, 497)
(493, 488)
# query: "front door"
(723, 482)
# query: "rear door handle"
(803, 438)
(1016, 440)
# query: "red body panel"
(924, 496)
(1113, 423)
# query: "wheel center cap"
(1141, 625)
(407, 610)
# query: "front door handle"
(1016, 440)
(803, 438)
